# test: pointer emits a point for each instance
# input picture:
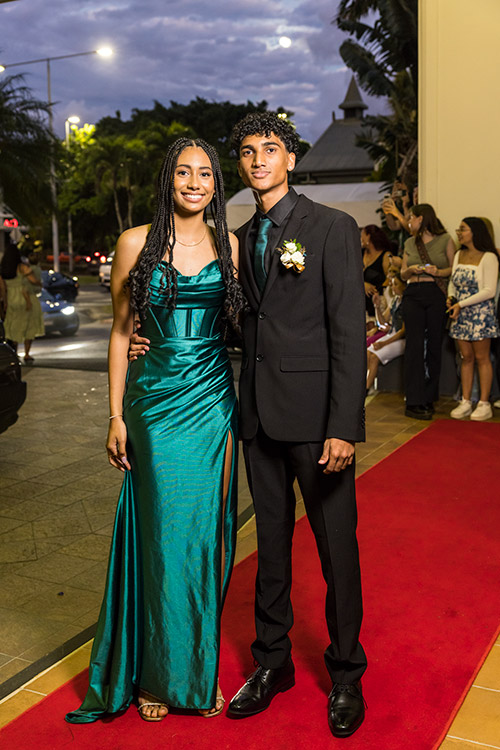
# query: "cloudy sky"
(179, 49)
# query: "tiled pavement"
(57, 500)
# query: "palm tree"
(383, 52)
(25, 147)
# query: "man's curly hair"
(265, 123)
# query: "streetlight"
(72, 121)
(102, 52)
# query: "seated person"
(391, 344)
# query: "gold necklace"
(192, 244)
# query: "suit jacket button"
(262, 316)
(259, 357)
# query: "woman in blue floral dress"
(471, 306)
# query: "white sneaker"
(482, 411)
(497, 403)
(464, 409)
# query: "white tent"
(359, 199)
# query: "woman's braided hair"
(161, 238)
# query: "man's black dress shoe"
(259, 690)
(346, 709)
(418, 412)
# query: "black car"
(58, 315)
(12, 388)
(60, 285)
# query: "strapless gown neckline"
(192, 275)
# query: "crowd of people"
(419, 284)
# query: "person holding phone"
(427, 260)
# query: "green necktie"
(260, 251)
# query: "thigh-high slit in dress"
(159, 626)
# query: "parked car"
(94, 261)
(60, 285)
(12, 387)
(64, 258)
(105, 270)
(58, 315)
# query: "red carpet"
(430, 553)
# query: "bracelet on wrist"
(116, 415)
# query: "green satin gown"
(159, 626)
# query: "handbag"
(424, 256)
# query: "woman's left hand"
(454, 311)
(378, 345)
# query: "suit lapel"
(291, 231)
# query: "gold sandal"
(207, 713)
(151, 703)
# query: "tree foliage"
(383, 52)
(108, 174)
(25, 148)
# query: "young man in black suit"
(302, 390)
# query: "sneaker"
(497, 403)
(482, 412)
(464, 409)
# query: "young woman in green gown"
(173, 422)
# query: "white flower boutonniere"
(293, 255)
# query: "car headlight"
(68, 310)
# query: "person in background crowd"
(22, 321)
(35, 324)
(397, 220)
(471, 307)
(377, 249)
(378, 327)
(392, 344)
(427, 261)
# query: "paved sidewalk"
(57, 500)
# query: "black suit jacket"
(304, 359)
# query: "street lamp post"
(103, 52)
(73, 121)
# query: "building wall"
(459, 109)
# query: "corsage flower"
(293, 255)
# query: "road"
(88, 348)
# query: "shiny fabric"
(159, 627)
(265, 225)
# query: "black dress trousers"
(272, 467)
